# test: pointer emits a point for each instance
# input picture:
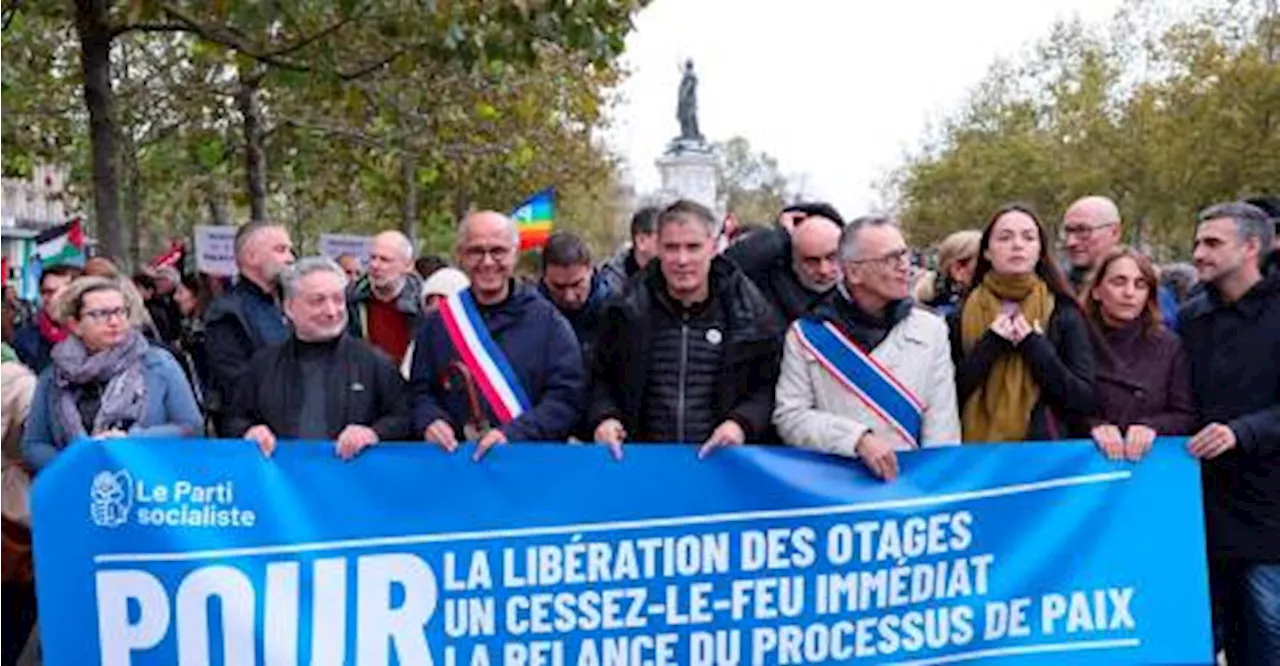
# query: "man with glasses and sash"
(495, 362)
(866, 373)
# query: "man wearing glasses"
(1091, 227)
(33, 342)
(865, 373)
(495, 362)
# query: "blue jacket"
(542, 350)
(171, 410)
(31, 346)
(586, 321)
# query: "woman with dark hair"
(1024, 363)
(1144, 383)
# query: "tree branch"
(10, 11)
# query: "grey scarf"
(125, 397)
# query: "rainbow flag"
(535, 218)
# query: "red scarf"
(50, 328)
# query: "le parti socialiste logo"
(110, 498)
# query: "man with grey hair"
(248, 317)
(494, 362)
(385, 303)
(688, 352)
(320, 383)
(1231, 333)
(866, 373)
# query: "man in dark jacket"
(384, 304)
(1231, 332)
(495, 362)
(794, 264)
(320, 383)
(689, 352)
(34, 340)
(631, 260)
(574, 286)
(248, 318)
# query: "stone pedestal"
(690, 174)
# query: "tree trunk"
(254, 153)
(94, 29)
(132, 200)
(409, 204)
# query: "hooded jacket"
(1234, 352)
(542, 350)
(744, 374)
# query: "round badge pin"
(714, 336)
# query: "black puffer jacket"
(731, 348)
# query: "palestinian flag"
(535, 218)
(62, 244)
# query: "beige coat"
(814, 411)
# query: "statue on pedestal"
(687, 107)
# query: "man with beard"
(866, 373)
(574, 286)
(248, 317)
(320, 383)
(1231, 333)
(794, 264)
(495, 362)
(385, 304)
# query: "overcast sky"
(837, 90)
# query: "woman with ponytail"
(1024, 361)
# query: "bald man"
(384, 304)
(795, 264)
(1091, 228)
(495, 362)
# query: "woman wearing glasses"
(105, 380)
(1024, 362)
(957, 257)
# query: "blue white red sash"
(489, 367)
(857, 371)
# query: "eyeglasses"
(105, 314)
(895, 258)
(477, 253)
(1082, 231)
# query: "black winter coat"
(363, 388)
(765, 258)
(238, 325)
(1143, 378)
(1234, 351)
(1061, 361)
(748, 365)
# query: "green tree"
(751, 182)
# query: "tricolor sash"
(489, 367)
(857, 371)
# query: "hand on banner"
(878, 455)
(353, 439)
(1109, 441)
(1212, 441)
(611, 433)
(491, 439)
(728, 434)
(1138, 441)
(440, 432)
(265, 439)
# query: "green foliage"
(753, 187)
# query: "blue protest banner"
(201, 552)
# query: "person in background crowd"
(17, 388)
(829, 396)
(101, 267)
(427, 265)
(795, 264)
(443, 283)
(192, 298)
(689, 352)
(574, 286)
(1231, 332)
(1143, 381)
(1271, 206)
(36, 338)
(1024, 362)
(248, 317)
(1180, 279)
(105, 379)
(384, 305)
(631, 260)
(166, 329)
(350, 267)
(530, 384)
(168, 278)
(1091, 227)
(957, 257)
(21, 310)
(322, 382)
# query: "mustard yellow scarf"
(1000, 408)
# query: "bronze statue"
(687, 108)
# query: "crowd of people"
(815, 332)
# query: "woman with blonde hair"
(943, 289)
